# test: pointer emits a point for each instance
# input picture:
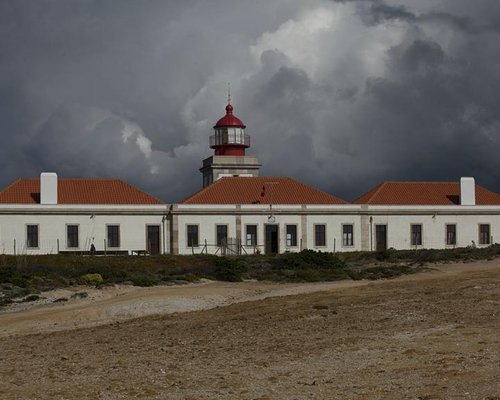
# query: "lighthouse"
(229, 142)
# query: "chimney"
(467, 192)
(48, 188)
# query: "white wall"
(206, 231)
(434, 229)
(334, 225)
(52, 223)
(397, 218)
(207, 217)
(52, 229)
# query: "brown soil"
(428, 336)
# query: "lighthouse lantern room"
(229, 138)
(229, 142)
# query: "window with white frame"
(484, 234)
(32, 238)
(451, 234)
(251, 235)
(347, 235)
(320, 235)
(113, 235)
(291, 235)
(72, 236)
(416, 234)
(221, 235)
(192, 236)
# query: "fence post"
(57, 246)
(105, 248)
(334, 244)
(14, 246)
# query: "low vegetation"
(24, 277)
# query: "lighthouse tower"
(229, 142)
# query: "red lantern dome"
(229, 138)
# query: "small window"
(221, 235)
(347, 235)
(192, 236)
(484, 234)
(32, 236)
(113, 235)
(72, 236)
(320, 235)
(291, 235)
(251, 235)
(416, 235)
(451, 234)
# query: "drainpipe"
(371, 233)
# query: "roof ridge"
(11, 185)
(420, 182)
(376, 191)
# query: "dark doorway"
(381, 237)
(153, 239)
(272, 239)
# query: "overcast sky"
(341, 95)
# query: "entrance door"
(272, 239)
(153, 239)
(381, 237)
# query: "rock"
(80, 295)
(60, 300)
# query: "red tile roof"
(265, 190)
(423, 193)
(78, 191)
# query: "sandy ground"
(434, 335)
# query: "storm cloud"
(339, 94)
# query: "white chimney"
(48, 188)
(467, 192)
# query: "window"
(416, 235)
(72, 235)
(31, 236)
(451, 234)
(484, 234)
(251, 235)
(192, 236)
(320, 235)
(291, 235)
(113, 235)
(348, 235)
(221, 235)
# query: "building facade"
(51, 215)
(240, 212)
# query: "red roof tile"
(265, 190)
(423, 193)
(78, 191)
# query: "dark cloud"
(341, 94)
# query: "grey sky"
(339, 94)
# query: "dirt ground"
(428, 336)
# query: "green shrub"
(90, 279)
(143, 281)
(308, 259)
(14, 276)
(229, 269)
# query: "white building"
(238, 211)
(263, 214)
(438, 215)
(51, 215)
